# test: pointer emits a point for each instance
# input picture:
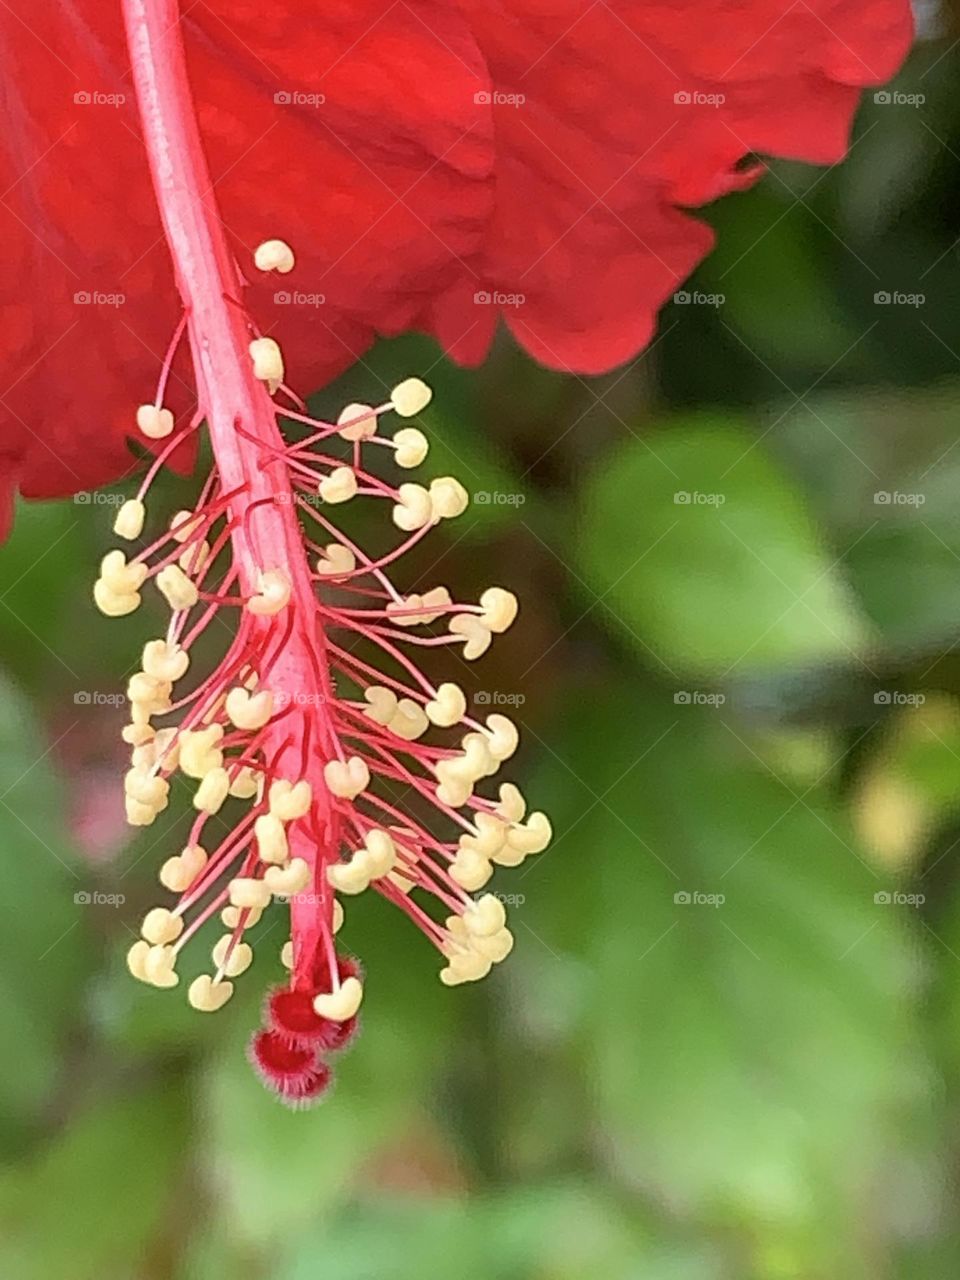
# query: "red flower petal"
(416, 184)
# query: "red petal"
(612, 136)
(403, 195)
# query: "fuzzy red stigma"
(296, 1075)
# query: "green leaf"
(44, 952)
(554, 1233)
(750, 1052)
(701, 549)
(88, 1205)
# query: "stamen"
(305, 750)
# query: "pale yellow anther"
(410, 397)
(412, 447)
(342, 1004)
(286, 954)
(489, 837)
(503, 736)
(455, 787)
(208, 996)
(138, 735)
(165, 661)
(212, 791)
(114, 604)
(245, 783)
(496, 947)
(129, 521)
(383, 854)
(512, 805)
(346, 779)
(184, 525)
(470, 869)
(413, 509)
(245, 891)
(271, 839)
(465, 966)
(485, 916)
(383, 704)
(237, 962)
(137, 960)
(147, 788)
(477, 637)
(337, 916)
(339, 486)
(350, 877)
(267, 361)
(159, 965)
(448, 707)
(150, 692)
(273, 593)
(249, 710)
(532, 836)
(290, 801)
(232, 916)
(375, 860)
(274, 255)
(161, 925)
(288, 880)
(361, 420)
(176, 588)
(499, 609)
(179, 872)
(137, 813)
(154, 422)
(409, 721)
(448, 498)
(337, 561)
(476, 761)
(200, 750)
(121, 577)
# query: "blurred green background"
(726, 1045)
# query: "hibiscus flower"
(425, 167)
(431, 161)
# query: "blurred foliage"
(728, 1043)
